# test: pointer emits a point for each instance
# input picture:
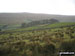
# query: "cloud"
(66, 7)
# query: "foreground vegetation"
(48, 42)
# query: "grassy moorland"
(47, 42)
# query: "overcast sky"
(64, 7)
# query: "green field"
(18, 28)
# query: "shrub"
(68, 45)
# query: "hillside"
(46, 34)
(40, 27)
(18, 18)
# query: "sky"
(62, 7)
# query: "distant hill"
(18, 18)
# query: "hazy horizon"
(34, 13)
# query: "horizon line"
(41, 13)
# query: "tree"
(68, 45)
(0, 30)
(54, 20)
(23, 25)
(5, 26)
